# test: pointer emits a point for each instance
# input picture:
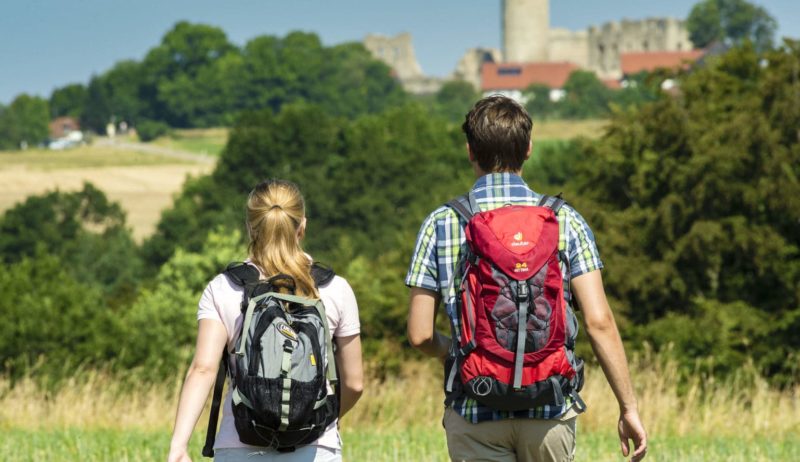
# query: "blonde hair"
(275, 215)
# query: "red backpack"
(514, 336)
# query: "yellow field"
(567, 129)
(143, 183)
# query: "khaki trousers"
(511, 440)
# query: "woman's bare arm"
(211, 339)
(351, 371)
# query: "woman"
(276, 224)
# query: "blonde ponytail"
(275, 221)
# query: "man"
(498, 132)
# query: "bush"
(51, 321)
(148, 130)
(161, 325)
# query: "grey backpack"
(281, 364)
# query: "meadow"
(96, 418)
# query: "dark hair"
(498, 131)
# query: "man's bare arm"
(607, 345)
(422, 321)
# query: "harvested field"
(143, 183)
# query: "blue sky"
(45, 43)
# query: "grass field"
(96, 419)
(208, 141)
(143, 183)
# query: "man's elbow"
(600, 324)
(419, 339)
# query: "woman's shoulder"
(221, 285)
(338, 289)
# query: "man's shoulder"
(439, 214)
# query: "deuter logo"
(521, 267)
(518, 242)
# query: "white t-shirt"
(221, 300)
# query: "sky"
(45, 44)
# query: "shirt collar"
(496, 180)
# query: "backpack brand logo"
(518, 242)
(287, 331)
(521, 267)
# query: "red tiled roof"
(61, 125)
(633, 63)
(518, 76)
(613, 84)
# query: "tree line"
(195, 77)
(693, 198)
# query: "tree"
(586, 97)
(69, 100)
(730, 21)
(694, 201)
(538, 104)
(455, 99)
(116, 95)
(84, 229)
(25, 121)
(161, 325)
(49, 319)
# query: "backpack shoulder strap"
(465, 205)
(216, 402)
(552, 202)
(322, 274)
(241, 273)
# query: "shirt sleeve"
(207, 307)
(346, 315)
(581, 247)
(423, 271)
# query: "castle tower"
(526, 27)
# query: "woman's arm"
(211, 339)
(351, 371)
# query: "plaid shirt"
(441, 240)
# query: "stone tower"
(526, 30)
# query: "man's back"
(441, 243)
(498, 143)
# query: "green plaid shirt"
(441, 241)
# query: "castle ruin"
(528, 38)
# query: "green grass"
(420, 444)
(81, 157)
(209, 141)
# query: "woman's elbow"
(354, 387)
(203, 368)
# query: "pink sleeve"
(346, 315)
(207, 307)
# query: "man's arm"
(607, 346)
(421, 324)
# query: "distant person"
(283, 403)
(507, 262)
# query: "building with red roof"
(512, 78)
(648, 61)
